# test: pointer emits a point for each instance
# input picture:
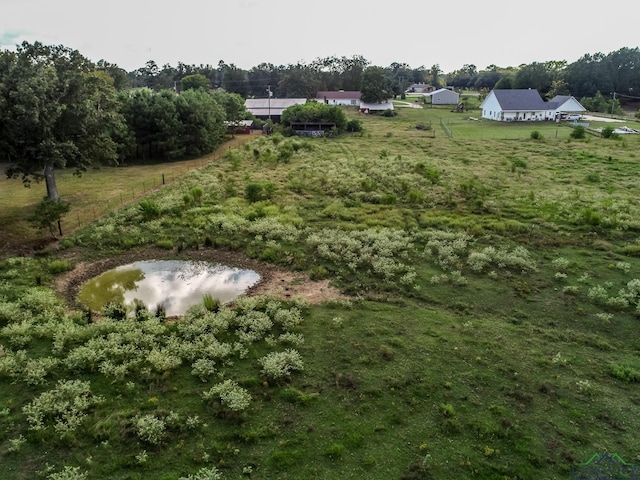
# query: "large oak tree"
(56, 111)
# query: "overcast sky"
(249, 32)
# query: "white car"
(571, 116)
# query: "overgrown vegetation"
(491, 330)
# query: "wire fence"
(161, 175)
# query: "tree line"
(59, 109)
(592, 73)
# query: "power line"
(616, 94)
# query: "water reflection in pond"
(175, 284)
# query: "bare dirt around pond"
(277, 282)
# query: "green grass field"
(491, 330)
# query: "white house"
(443, 96)
(271, 108)
(525, 105)
(341, 97)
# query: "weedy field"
(491, 329)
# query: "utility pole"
(269, 100)
(613, 103)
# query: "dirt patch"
(275, 281)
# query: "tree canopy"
(315, 112)
(56, 111)
(376, 86)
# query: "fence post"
(163, 178)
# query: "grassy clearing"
(91, 195)
(492, 331)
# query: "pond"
(177, 285)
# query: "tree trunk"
(50, 180)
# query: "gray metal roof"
(273, 106)
(283, 103)
(338, 95)
(520, 99)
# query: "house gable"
(566, 104)
(523, 105)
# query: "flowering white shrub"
(598, 294)
(605, 317)
(150, 428)
(11, 363)
(281, 364)
(203, 368)
(215, 349)
(83, 357)
(10, 312)
(163, 361)
(206, 473)
(385, 251)
(65, 406)
(253, 325)
(192, 422)
(571, 289)
(288, 319)
(231, 395)
(18, 334)
(624, 266)
(36, 369)
(446, 247)
(291, 338)
(272, 229)
(39, 300)
(560, 263)
(68, 473)
(15, 444)
(117, 370)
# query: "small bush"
(281, 364)
(115, 310)
(593, 177)
(253, 192)
(68, 473)
(624, 373)
(578, 132)
(607, 132)
(205, 473)
(335, 450)
(164, 243)
(354, 125)
(231, 395)
(149, 209)
(210, 303)
(150, 429)
(196, 194)
(536, 135)
(59, 266)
